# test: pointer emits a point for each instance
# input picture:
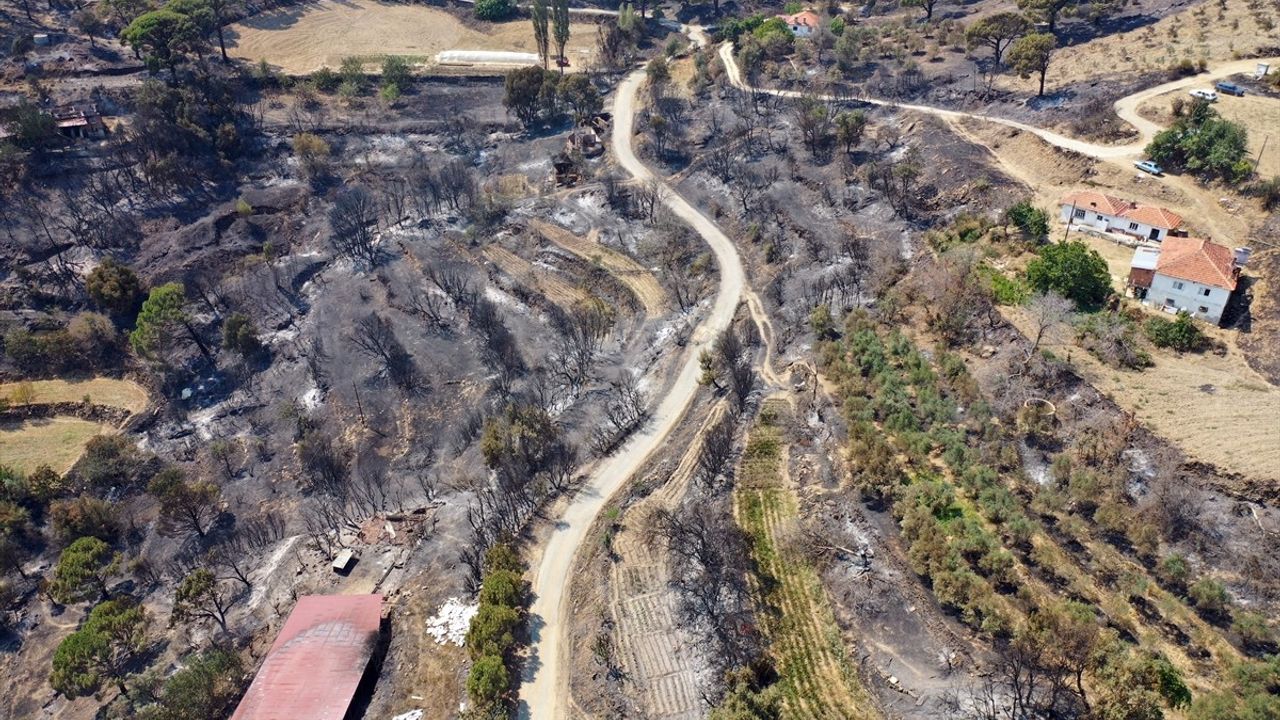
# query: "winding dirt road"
(543, 694)
(544, 691)
(1126, 107)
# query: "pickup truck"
(1229, 88)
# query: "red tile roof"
(316, 663)
(808, 18)
(1119, 207)
(1096, 200)
(1153, 216)
(1197, 260)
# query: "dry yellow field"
(101, 391)
(1207, 31)
(1259, 115)
(303, 38)
(56, 442)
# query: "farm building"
(1111, 214)
(1187, 274)
(317, 661)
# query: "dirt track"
(543, 693)
(1126, 108)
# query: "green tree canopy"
(82, 571)
(241, 335)
(163, 314)
(488, 681)
(523, 92)
(494, 10)
(997, 32)
(114, 287)
(101, 650)
(1030, 55)
(205, 689)
(1204, 143)
(201, 596)
(578, 91)
(165, 36)
(1252, 692)
(1072, 270)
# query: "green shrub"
(325, 79)
(1209, 596)
(1073, 270)
(488, 682)
(1031, 221)
(1180, 334)
(396, 71)
(1205, 144)
(502, 588)
(1113, 339)
(494, 10)
(492, 630)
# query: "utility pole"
(1263, 149)
(1070, 219)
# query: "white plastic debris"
(451, 622)
(411, 715)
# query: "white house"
(1111, 214)
(1189, 274)
(802, 24)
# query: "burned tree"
(375, 338)
(714, 560)
(354, 222)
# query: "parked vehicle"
(1148, 166)
(1206, 95)
(1229, 88)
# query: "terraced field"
(818, 678)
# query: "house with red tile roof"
(1188, 274)
(802, 24)
(1106, 213)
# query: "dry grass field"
(101, 391)
(1259, 115)
(1214, 31)
(301, 39)
(56, 442)
(1217, 409)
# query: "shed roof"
(317, 660)
(1145, 258)
(1199, 261)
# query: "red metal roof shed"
(316, 662)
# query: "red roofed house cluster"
(1111, 214)
(1189, 274)
(317, 661)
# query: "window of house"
(1205, 292)
(1204, 310)
(1101, 218)
(1178, 285)
(1133, 226)
(1079, 213)
(1168, 302)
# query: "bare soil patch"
(303, 38)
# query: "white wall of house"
(1090, 217)
(1190, 296)
(803, 31)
